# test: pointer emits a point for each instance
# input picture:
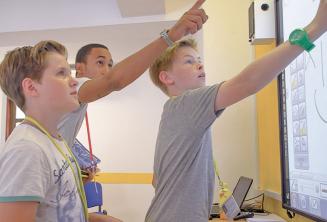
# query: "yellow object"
(268, 139)
(268, 131)
(224, 193)
(124, 178)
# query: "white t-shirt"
(32, 169)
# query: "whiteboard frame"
(286, 202)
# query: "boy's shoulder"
(23, 148)
(26, 138)
(194, 95)
(81, 81)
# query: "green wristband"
(300, 37)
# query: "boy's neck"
(173, 93)
(49, 122)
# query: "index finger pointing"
(198, 4)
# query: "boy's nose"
(104, 70)
(73, 82)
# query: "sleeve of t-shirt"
(71, 123)
(25, 173)
(81, 81)
(199, 106)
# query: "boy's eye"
(190, 61)
(62, 73)
(100, 62)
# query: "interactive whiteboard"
(303, 109)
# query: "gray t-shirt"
(183, 162)
(71, 123)
(32, 169)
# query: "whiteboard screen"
(303, 97)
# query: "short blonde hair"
(165, 61)
(25, 62)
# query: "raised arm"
(262, 71)
(135, 65)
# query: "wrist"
(175, 33)
(314, 31)
(166, 37)
(301, 38)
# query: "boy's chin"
(72, 107)
(198, 86)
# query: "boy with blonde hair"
(183, 162)
(40, 178)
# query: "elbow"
(254, 90)
(248, 89)
(114, 83)
(253, 85)
(119, 86)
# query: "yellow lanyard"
(222, 186)
(78, 179)
(217, 173)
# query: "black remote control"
(243, 215)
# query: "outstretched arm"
(135, 65)
(262, 71)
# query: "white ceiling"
(134, 8)
(28, 15)
(111, 35)
(77, 22)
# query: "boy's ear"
(29, 87)
(165, 78)
(80, 68)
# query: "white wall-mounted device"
(262, 20)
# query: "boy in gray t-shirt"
(183, 162)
